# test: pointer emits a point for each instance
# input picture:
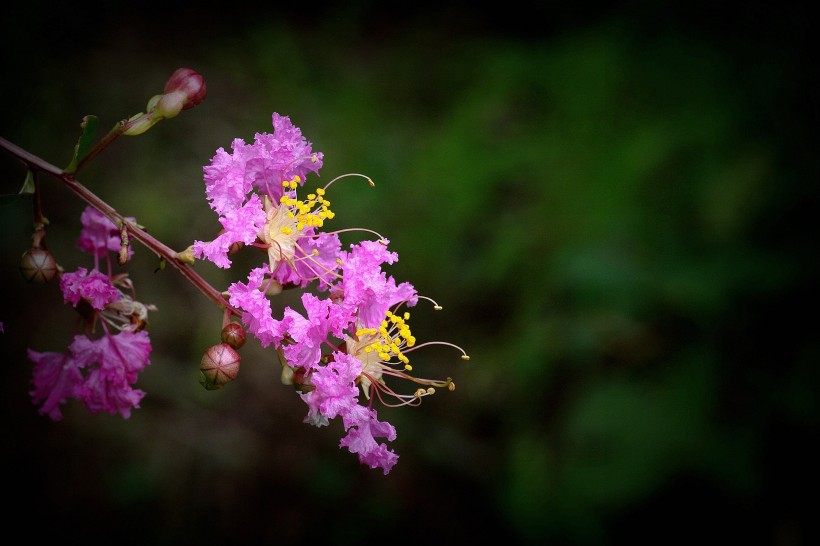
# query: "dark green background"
(617, 208)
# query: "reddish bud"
(189, 84)
(234, 335)
(219, 366)
(38, 265)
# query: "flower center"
(285, 222)
(376, 347)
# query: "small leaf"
(26, 191)
(89, 126)
(28, 184)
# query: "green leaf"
(89, 126)
(25, 191)
(28, 184)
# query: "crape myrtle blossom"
(329, 381)
(253, 189)
(346, 350)
(98, 371)
(365, 289)
(358, 355)
(93, 287)
(335, 394)
(100, 235)
(339, 353)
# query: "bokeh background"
(616, 207)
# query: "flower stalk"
(162, 251)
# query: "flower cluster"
(347, 347)
(346, 344)
(100, 371)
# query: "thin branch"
(149, 241)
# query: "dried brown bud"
(234, 335)
(38, 265)
(220, 366)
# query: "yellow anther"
(285, 183)
(431, 390)
(406, 315)
(465, 357)
(452, 387)
(408, 367)
(438, 308)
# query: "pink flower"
(281, 156)
(308, 335)
(241, 224)
(56, 378)
(314, 259)
(94, 287)
(264, 165)
(366, 288)
(272, 159)
(335, 391)
(99, 234)
(362, 430)
(112, 363)
(256, 310)
(99, 372)
(336, 395)
(254, 191)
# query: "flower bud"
(294, 376)
(219, 366)
(170, 104)
(38, 265)
(188, 85)
(139, 123)
(234, 335)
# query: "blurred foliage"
(616, 208)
